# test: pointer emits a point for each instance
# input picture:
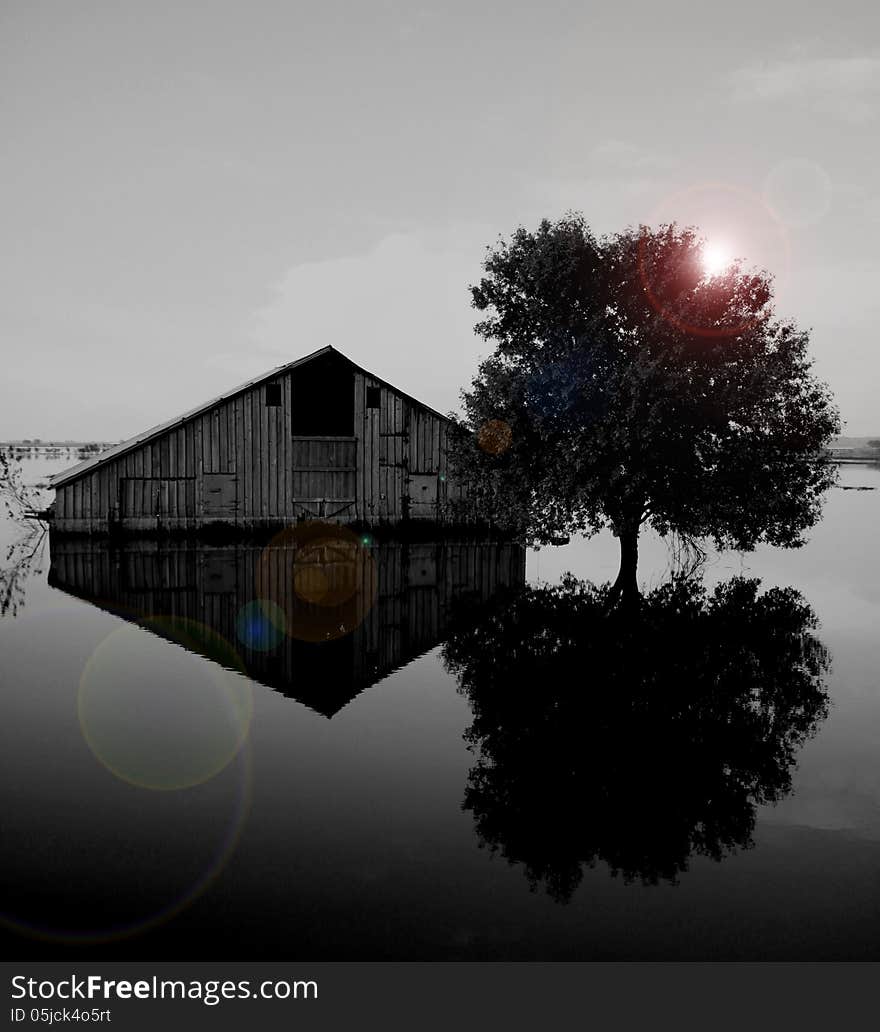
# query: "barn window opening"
(323, 398)
(374, 397)
(273, 395)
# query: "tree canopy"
(627, 387)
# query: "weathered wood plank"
(274, 441)
(253, 501)
(374, 466)
(360, 429)
(286, 449)
(240, 463)
(373, 460)
(265, 450)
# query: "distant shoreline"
(37, 442)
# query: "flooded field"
(191, 772)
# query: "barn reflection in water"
(318, 614)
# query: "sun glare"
(716, 258)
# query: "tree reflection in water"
(639, 740)
(22, 558)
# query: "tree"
(19, 503)
(638, 742)
(627, 387)
(874, 444)
(16, 498)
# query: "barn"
(318, 438)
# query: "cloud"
(872, 209)
(847, 88)
(402, 310)
(610, 202)
(617, 183)
(622, 154)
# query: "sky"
(196, 192)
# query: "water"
(170, 792)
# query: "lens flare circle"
(716, 257)
(261, 625)
(495, 436)
(715, 209)
(96, 934)
(321, 576)
(164, 726)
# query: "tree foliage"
(24, 552)
(626, 387)
(23, 558)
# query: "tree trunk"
(625, 589)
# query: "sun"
(715, 257)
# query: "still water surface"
(183, 780)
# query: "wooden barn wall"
(263, 476)
(416, 589)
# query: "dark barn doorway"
(323, 398)
(324, 446)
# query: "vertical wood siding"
(384, 473)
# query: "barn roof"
(59, 479)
